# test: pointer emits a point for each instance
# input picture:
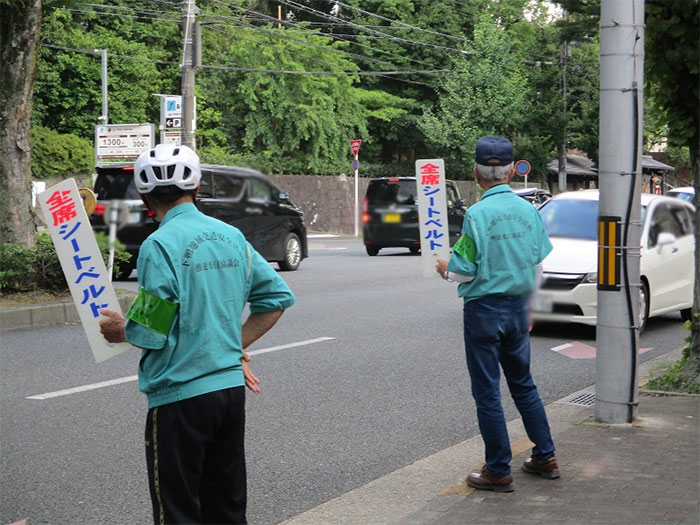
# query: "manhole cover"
(586, 399)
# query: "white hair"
(494, 173)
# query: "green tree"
(68, 87)
(673, 81)
(485, 95)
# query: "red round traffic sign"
(522, 167)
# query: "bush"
(25, 269)
(671, 378)
(58, 154)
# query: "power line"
(237, 35)
(327, 48)
(321, 14)
(392, 21)
(231, 68)
(330, 35)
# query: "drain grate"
(585, 399)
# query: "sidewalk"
(648, 472)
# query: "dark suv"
(390, 214)
(241, 197)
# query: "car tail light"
(100, 209)
(393, 180)
(150, 213)
(128, 168)
(365, 213)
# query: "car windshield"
(686, 196)
(575, 219)
(117, 184)
(390, 191)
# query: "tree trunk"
(692, 367)
(19, 39)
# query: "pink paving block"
(579, 350)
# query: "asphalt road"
(389, 388)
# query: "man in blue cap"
(496, 262)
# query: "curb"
(43, 315)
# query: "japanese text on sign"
(81, 262)
(432, 213)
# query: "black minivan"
(390, 214)
(242, 197)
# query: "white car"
(685, 192)
(569, 286)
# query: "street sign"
(356, 164)
(522, 167)
(432, 211)
(171, 107)
(355, 145)
(81, 262)
(171, 136)
(122, 143)
(171, 123)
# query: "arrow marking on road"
(120, 380)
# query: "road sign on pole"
(355, 145)
(522, 167)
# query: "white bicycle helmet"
(167, 165)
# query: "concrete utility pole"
(619, 226)
(187, 67)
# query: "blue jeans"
(496, 331)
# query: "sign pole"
(113, 217)
(357, 192)
(355, 146)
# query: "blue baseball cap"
(494, 151)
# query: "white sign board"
(122, 142)
(171, 137)
(170, 107)
(81, 262)
(432, 213)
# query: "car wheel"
(292, 253)
(686, 314)
(643, 306)
(415, 250)
(371, 250)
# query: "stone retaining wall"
(327, 201)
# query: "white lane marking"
(561, 347)
(120, 380)
(290, 345)
(84, 388)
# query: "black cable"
(630, 309)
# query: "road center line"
(120, 380)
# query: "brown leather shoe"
(484, 480)
(547, 468)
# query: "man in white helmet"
(196, 275)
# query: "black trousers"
(196, 459)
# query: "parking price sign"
(122, 143)
(432, 211)
(81, 262)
